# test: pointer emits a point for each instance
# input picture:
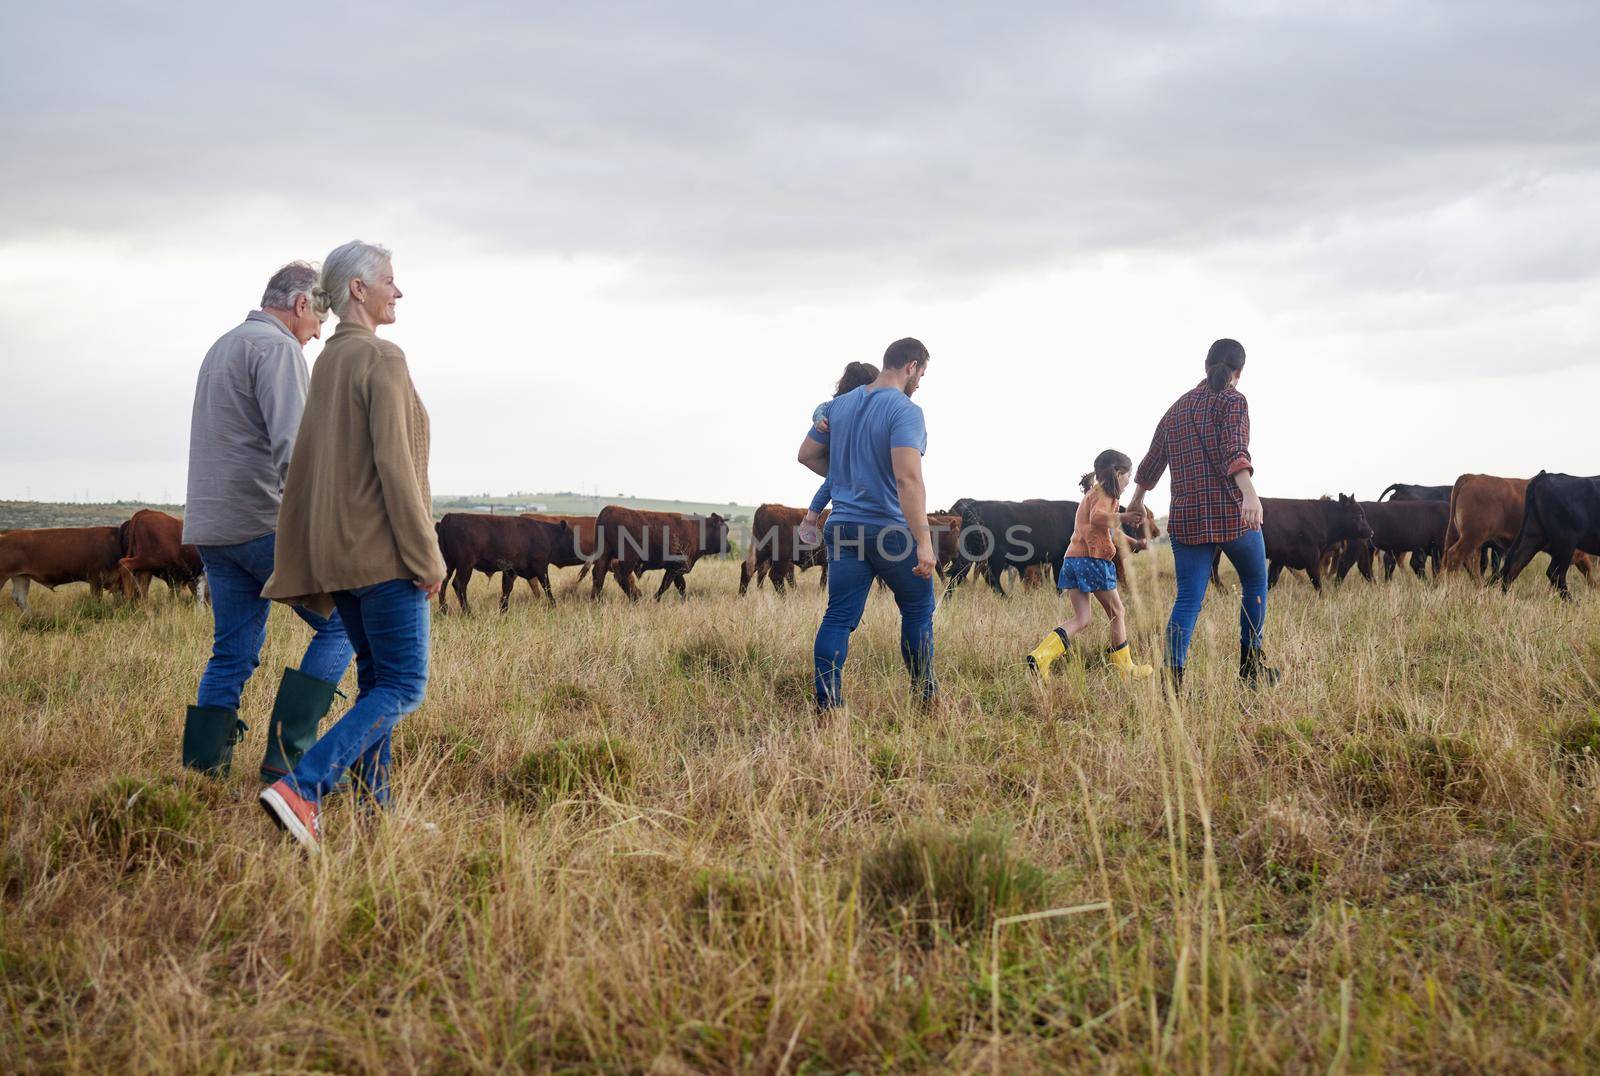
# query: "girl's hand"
(1139, 544)
(429, 590)
(1133, 517)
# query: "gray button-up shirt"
(247, 408)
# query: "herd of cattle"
(1481, 522)
(125, 557)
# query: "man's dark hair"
(903, 353)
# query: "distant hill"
(583, 504)
(51, 514)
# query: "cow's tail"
(1452, 531)
(1391, 488)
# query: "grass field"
(653, 857)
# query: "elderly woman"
(1205, 438)
(356, 533)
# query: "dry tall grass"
(653, 857)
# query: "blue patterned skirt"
(1087, 574)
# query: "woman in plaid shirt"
(1205, 439)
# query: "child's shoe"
(1121, 658)
(1045, 654)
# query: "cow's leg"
(1527, 546)
(744, 578)
(1216, 566)
(994, 573)
(507, 581)
(824, 585)
(624, 575)
(463, 578)
(543, 573)
(1314, 570)
(1389, 563)
(1275, 570)
(683, 590)
(19, 591)
(444, 587)
(601, 568)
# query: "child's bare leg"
(1111, 602)
(1082, 613)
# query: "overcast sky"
(639, 242)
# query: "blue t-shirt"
(863, 425)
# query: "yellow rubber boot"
(1121, 659)
(1045, 654)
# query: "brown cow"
(1487, 510)
(152, 544)
(631, 541)
(946, 528)
(511, 545)
(584, 547)
(775, 550)
(51, 556)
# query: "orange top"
(1091, 527)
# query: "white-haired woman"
(355, 533)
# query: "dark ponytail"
(855, 375)
(1106, 466)
(1225, 359)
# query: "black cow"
(1031, 534)
(1299, 533)
(1405, 491)
(1560, 516)
(998, 535)
(1398, 527)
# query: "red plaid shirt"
(1205, 437)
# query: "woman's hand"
(822, 425)
(429, 590)
(1134, 517)
(1250, 508)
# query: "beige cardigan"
(356, 508)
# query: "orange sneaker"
(293, 812)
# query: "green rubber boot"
(209, 733)
(296, 712)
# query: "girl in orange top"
(1088, 569)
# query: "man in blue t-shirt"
(871, 454)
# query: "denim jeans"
(235, 575)
(388, 623)
(1248, 555)
(857, 555)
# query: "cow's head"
(1348, 518)
(714, 534)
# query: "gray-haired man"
(247, 407)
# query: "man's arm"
(814, 454)
(279, 380)
(914, 504)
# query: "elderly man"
(247, 408)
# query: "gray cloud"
(781, 141)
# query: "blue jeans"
(235, 575)
(857, 555)
(388, 623)
(1248, 555)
